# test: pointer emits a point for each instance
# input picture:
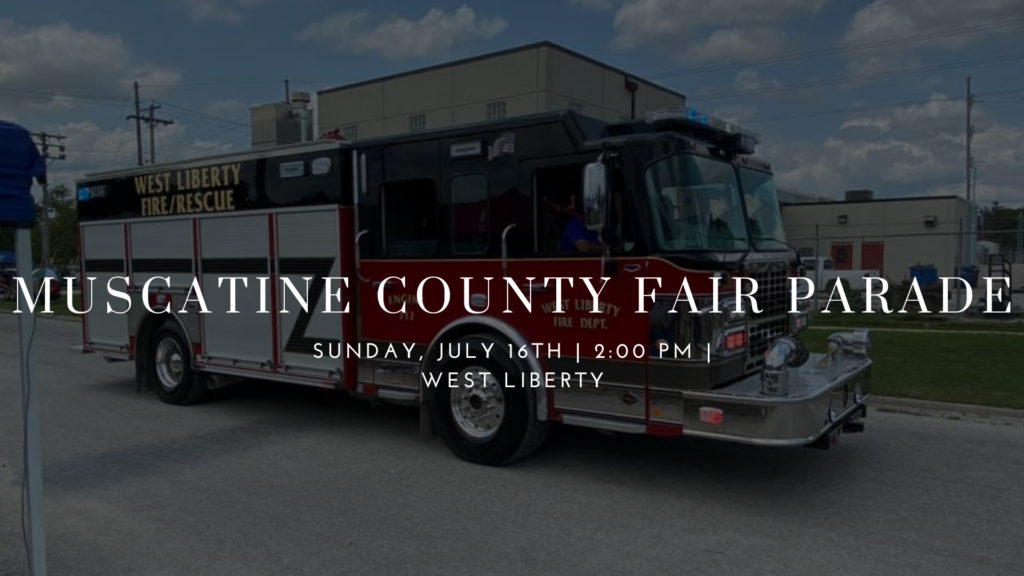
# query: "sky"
(847, 94)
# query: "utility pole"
(153, 121)
(44, 223)
(287, 92)
(138, 123)
(969, 169)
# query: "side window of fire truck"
(623, 213)
(470, 214)
(409, 210)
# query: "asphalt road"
(271, 481)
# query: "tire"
(515, 432)
(170, 366)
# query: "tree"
(999, 224)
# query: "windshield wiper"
(796, 251)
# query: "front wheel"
(170, 363)
(482, 411)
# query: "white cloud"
(735, 113)
(602, 5)
(229, 11)
(896, 20)
(909, 150)
(700, 31)
(435, 34)
(750, 79)
(93, 147)
(58, 66)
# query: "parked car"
(822, 271)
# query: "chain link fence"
(900, 258)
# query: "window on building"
(576, 107)
(470, 214)
(496, 110)
(806, 252)
(350, 132)
(417, 122)
(410, 218)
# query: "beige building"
(530, 79)
(889, 235)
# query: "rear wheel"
(170, 363)
(480, 418)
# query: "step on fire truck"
(674, 198)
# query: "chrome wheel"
(478, 406)
(170, 363)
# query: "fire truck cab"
(447, 246)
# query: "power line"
(863, 77)
(152, 121)
(204, 115)
(84, 98)
(868, 108)
(838, 50)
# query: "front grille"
(773, 299)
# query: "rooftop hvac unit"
(860, 195)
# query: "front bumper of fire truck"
(798, 398)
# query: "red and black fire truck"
(420, 269)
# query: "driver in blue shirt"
(576, 237)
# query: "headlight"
(680, 334)
(798, 322)
(856, 343)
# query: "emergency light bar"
(687, 119)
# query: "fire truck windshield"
(764, 218)
(696, 204)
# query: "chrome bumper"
(798, 399)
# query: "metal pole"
(152, 133)
(44, 229)
(138, 123)
(33, 464)
(817, 265)
(974, 217)
(959, 261)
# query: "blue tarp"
(20, 162)
(6, 258)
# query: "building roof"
(791, 196)
(489, 55)
(879, 200)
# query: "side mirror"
(595, 196)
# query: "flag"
(333, 135)
(504, 145)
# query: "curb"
(919, 330)
(945, 409)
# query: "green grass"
(980, 369)
(917, 320)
